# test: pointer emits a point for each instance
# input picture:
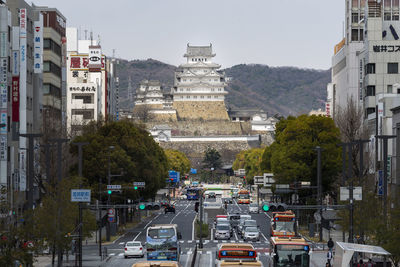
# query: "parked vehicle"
(133, 248)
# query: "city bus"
(283, 224)
(156, 264)
(162, 242)
(288, 251)
(235, 253)
(193, 193)
(244, 197)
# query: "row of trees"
(292, 157)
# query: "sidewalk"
(88, 260)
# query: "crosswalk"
(222, 241)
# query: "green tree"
(177, 161)
(292, 157)
(134, 152)
(212, 159)
(250, 160)
(57, 216)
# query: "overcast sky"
(298, 33)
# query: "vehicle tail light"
(126, 249)
(141, 248)
(172, 249)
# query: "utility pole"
(351, 188)
(30, 166)
(80, 159)
(59, 142)
(201, 221)
(319, 185)
(385, 139)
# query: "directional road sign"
(113, 187)
(80, 195)
(345, 194)
(139, 184)
(174, 176)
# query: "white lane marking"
(210, 260)
(212, 233)
(236, 237)
(122, 243)
(188, 253)
(190, 241)
(111, 254)
(151, 221)
(193, 226)
(178, 214)
(137, 236)
(264, 237)
(120, 254)
(238, 206)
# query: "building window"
(354, 17)
(393, 68)
(187, 97)
(49, 66)
(205, 59)
(387, 16)
(369, 111)
(88, 114)
(370, 90)
(209, 96)
(202, 96)
(195, 97)
(50, 89)
(395, 15)
(389, 89)
(219, 89)
(215, 96)
(370, 68)
(86, 99)
(49, 44)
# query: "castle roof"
(199, 51)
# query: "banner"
(3, 95)
(94, 58)
(15, 99)
(3, 120)
(22, 97)
(38, 45)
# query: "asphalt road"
(184, 218)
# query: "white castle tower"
(199, 87)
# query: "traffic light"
(196, 206)
(136, 188)
(186, 177)
(109, 192)
(274, 207)
(244, 177)
(265, 207)
(142, 206)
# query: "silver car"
(251, 233)
(246, 224)
(222, 231)
(253, 208)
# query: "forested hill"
(283, 90)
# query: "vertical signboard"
(94, 58)
(15, 99)
(4, 48)
(38, 45)
(22, 98)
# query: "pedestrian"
(369, 263)
(330, 244)
(329, 256)
(361, 264)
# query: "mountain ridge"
(276, 90)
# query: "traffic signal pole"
(80, 146)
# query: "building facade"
(21, 56)
(199, 86)
(54, 56)
(91, 83)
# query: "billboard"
(81, 62)
(38, 45)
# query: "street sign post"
(80, 195)
(139, 184)
(259, 180)
(114, 187)
(111, 215)
(345, 194)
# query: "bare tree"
(349, 120)
(143, 113)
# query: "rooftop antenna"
(91, 37)
(85, 34)
(98, 41)
(113, 54)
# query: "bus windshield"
(292, 255)
(161, 233)
(284, 226)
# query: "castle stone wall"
(206, 110)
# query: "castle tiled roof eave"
(196, 65)
(193, 50)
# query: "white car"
(253, 208)
(133, 248)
